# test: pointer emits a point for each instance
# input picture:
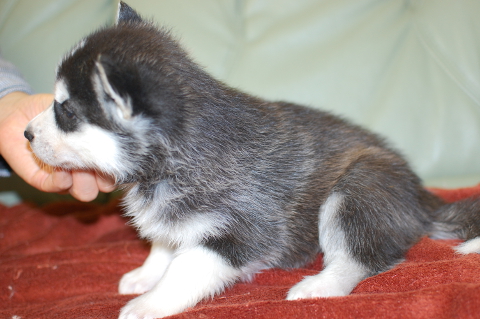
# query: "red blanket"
(65, 260)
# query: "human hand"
(16, 111)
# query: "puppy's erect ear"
(109, 86)
(127, 14)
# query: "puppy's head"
(64, 135)
(119, 99)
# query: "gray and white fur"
(225, 184)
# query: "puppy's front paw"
(148, 306)
(138, 281)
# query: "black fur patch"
(65, 116)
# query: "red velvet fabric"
(65, 260)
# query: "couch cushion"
(405, 69)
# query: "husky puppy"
(225, 184)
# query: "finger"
(84, 186)
(62, 180)
(46, 182)
(106, 184)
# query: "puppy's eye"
(66, 111)
(65, 118)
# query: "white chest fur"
(154, 216)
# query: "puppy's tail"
(460, 220)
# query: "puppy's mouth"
(44, 153)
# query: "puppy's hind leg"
(146, 277)
(342, 272)
(373, 215)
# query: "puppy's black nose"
(29, 136)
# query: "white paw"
(470, 246)
(146, 277)
(138, 281)
(149, 306)
(318, 286)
